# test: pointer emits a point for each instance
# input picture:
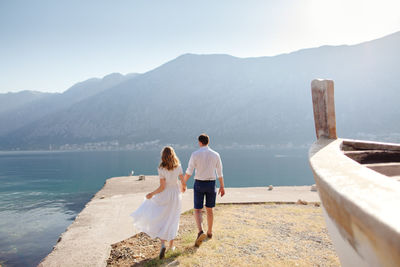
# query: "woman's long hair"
(169, 160)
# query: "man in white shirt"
(207, 163)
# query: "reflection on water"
(26, 235)
(31, 223)
(42, 192)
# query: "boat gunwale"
(363, 199)
(360, 145)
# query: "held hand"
(221, 191)
(183, 187)
(149, 195)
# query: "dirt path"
(244, 235)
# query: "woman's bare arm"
(182, 183)
(158, 190)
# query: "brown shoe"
(209, 235)
(200, 237)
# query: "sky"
(48, 45)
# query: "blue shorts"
(207, 189)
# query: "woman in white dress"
(158, 215)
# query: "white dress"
(159, 216)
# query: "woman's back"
(171, 176)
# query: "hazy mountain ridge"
(11, 101)
(264, 100)
(28, 114)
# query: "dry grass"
(249, 235)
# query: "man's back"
(206, 162)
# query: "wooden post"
(324, 108)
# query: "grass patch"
(169, 257)
(187, 239)
(188, 212)
(250, 235)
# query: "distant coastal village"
(108, 146)
(156, 144)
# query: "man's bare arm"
(221, 186)
(186, 178)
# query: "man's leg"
(198, 207)
(210, 219)
(200, 236)
(198, 197)
(198, 216)
(211, 195)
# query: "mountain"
(14, 119)
(94, 86)
(264, 100)
(12, 101)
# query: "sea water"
(42, 192)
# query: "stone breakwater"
(105, 219)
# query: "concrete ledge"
(105, 219)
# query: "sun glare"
(354, 21)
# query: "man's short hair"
(204, 139)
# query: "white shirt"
(207, 162)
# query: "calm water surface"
(42, 192)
